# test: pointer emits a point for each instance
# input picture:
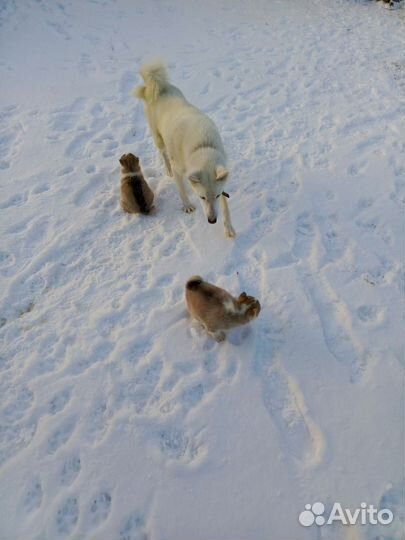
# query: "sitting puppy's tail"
(194, 282)
(155, 78)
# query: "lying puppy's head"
(252, 305)
(129, 163)
(208, 186)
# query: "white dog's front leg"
(229, 230)
(168, 167)
(187, 206)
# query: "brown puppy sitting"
(216, 309)
(136, 195)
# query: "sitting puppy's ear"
(133, 161)
(221, 173)
(242, 297)
(123, 160)
(195, 177)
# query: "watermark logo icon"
(365, 515)
(312, 514)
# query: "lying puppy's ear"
(195, 177)
(123, 160)
(221, 173)
(242, 297)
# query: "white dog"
(188, 141)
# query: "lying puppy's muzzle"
(212, 220)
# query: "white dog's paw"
(230, 232)
(188, 208)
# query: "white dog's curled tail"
(155, 78)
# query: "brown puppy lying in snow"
(216, 309)
(136, 195)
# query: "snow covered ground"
(118, 418)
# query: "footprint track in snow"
(382, 272)
(139, 349)
(7, 259)
(90, 169)
(90, 190)
(70, 470)
(166, 280)
(59, 401)
(62, 122)
(67, 516)
(98, 353)
(97, 420)
(301, 438)
(65, 119)
(7, 113)
(77, 106)
(10, 143)
(173, 442)
(138, 390)
(60, 436)
(176, 444)
(16, 437)
(100, 508)
(288, 180)
(60, 29)
(41, 188)
(65, 171)
(78, 146)
(110, 150)
(133, 528)
(369, 314)
(32, 498)
(358, 167)
(334, 241)
(36, 232)
(16, 408)
(19, 226)
(172, 244)
(19, 199)
(334, 316)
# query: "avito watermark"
(367, 514)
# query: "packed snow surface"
(119, 418)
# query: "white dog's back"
(182, 126)
(188, 140)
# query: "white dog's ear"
(221, 173)
(195, 177)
